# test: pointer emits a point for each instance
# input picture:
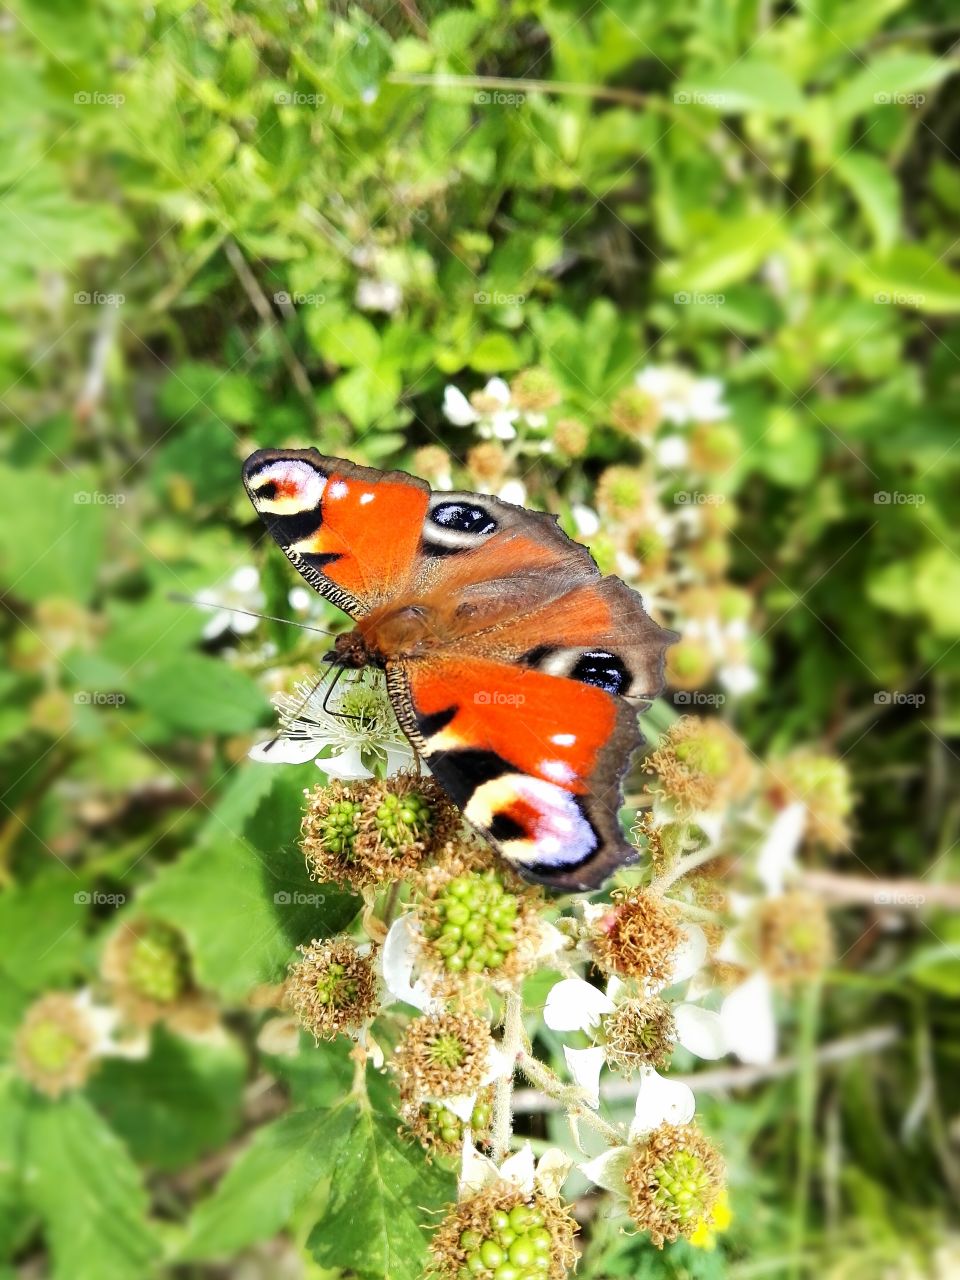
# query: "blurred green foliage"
(191, 197)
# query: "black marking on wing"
(295, 526)
(461, 772)
(463, 517)
(537, 656)
(318, 560)
(437, 720)
(503, 827)
(603, 669)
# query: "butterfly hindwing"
(533, 760)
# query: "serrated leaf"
(886, 78)
(376, 1221)
(42, 927)
(731, 254)
(278, 1171)
(87, 1190)
(176, 1106)
(911, 277)
(242, 897)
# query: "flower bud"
(700, 764)
(54, 1046)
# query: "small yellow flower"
(704, 1235)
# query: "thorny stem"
(540, 1075)
(510, 1046)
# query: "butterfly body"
(513, 666)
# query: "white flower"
(738, 678)
(575, 1005)
(661, 1101)
(671, 452)
(104, 1022)
(514, 491)
(494, 422)
(584, 1066)
(682, 397)
(240, 591)
(378, 295)
(778, 853)
(358, 729)
(585, 519)
(518, 1170)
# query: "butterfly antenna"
(179, 597)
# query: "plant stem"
(566, 1097)
(503, 1096)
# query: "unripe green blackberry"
(337, 831)
(472, 923)
(158, 967)
(402, 820)
(441, 1130)
(333, 989)
(673, 1182)
(499, 1235)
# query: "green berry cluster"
(338, 830)
(473, 923)
(684, 1186)
(448, 1127)
(516, 1246)
(158, 968)
(334, 987)
(403, 820)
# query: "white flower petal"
(514, 491)
(347, 765)
(672, 451)
(552, 1170)
(585, 519)
(661, 1101)
(457, 408)
(778, 854)
(584, 1066)
(519, 1169)
(462, 1105)
(499, 1065)
(748, 1021)
(738, 678)
(216, 625)
(574, 1005)
(244, 580)
(476, 1171)
(690, 955)
(285, 750)
(700, 1031)
(398, 961)
(497, 389)
(607, 1170)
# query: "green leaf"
(749, 85)
(261, 1192)
(495, 353)
(731, 254)
(52, 532)
(877, 192)
(382, 1194)
(885, 79)
(42, 926)
(341, 336)
(201, 695)
(181, 1103)
(87, 1190)
(241, 896)
(366, 394)
(911, 277)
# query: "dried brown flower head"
(674, 1181)
(333, 989)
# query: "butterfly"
(514, 667)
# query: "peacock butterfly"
(514, 667)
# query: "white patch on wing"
(558, 770)
(307, 483)
(366, 497)
(564, 739)
(560, 832)
(338, 489)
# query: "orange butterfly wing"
(522, 681)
